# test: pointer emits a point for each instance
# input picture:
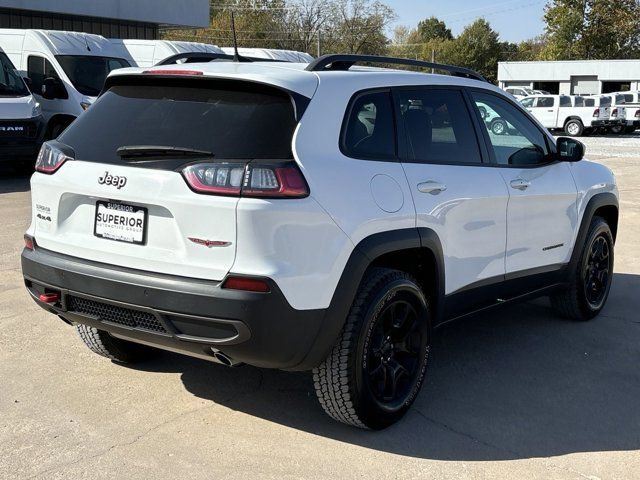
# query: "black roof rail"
(203, 57)
(346, 61)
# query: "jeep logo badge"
(114, 180)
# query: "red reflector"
(173, 72)
(49, 297)
(28, 242)
(246, 284)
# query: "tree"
(433, 29)
(477, 47)
(592, 29)
(359, 26)
(613, 29)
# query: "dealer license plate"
(120, 222)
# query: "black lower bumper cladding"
(191, 316)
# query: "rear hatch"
(123, 198)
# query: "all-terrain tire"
(341, 381)
(572, 302)
(113, 348)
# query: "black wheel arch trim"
(362, 257)
(599, 200)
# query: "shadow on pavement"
(514, 383)
(10, 181)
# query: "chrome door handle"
(434, 188)
(520, 184)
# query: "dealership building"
(576, 77)
(138, 19)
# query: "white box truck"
(66, 70)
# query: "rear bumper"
(607, 123)
(190, 316)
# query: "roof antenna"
(236, 55)
(86, 42)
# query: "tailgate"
(65, 207)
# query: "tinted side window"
(39, 68)
(370, 130)
(565, 102)
(589, 102)
(438, 127)
(514, 137)
(579, 102)
(545, 102)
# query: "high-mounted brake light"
(173, 72)
(246, 284)
(50, 159)
(253, 179)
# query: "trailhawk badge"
(114, 180)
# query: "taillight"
(50, 159)
(246, 284)
(215, 178)
(29, 242)
(614, 113)
(596, 113)
(637, 113)
(254, 179)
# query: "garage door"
(585, 85)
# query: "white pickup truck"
(632, 107)
(575, 115)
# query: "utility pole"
(433, 58)
(319, 41)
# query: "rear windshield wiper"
(133, 151)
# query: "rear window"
(605, 101)
(233, 120)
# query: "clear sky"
(514, 20)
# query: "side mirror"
(570, 150)
(53, 88)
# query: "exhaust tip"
(224, 359)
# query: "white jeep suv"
(321, 217)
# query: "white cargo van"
(272, 54)
(66, 69)
(21, 123)
(573, 114)
(147, 53)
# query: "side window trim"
(345, 121)
(402, 140)
(551, 146)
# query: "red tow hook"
(49, 297)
